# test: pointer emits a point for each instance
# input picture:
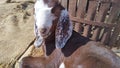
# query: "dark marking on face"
(56, 10)
(51, 3)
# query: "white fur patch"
(43, 19)
(62, 65)
(43, 15)
(38, 41)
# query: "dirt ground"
(16, 31)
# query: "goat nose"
(43, 30)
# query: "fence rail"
(97, 19)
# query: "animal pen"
(97, 19)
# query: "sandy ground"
(16, 31)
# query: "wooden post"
(81, 11)
(112, 19)
(64, 3)
(100, 17)
(90, 16)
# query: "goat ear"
(39, 39)
(63, 30)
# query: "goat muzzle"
(43, 30)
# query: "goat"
(62, 46)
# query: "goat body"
(62, 45)
(79, 52)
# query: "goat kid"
(62, 46)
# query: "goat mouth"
(45, 35)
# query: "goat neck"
(49, 45)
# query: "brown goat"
(79, 52)
(63, 46)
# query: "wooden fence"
(97, 19)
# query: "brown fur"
(78, 51)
